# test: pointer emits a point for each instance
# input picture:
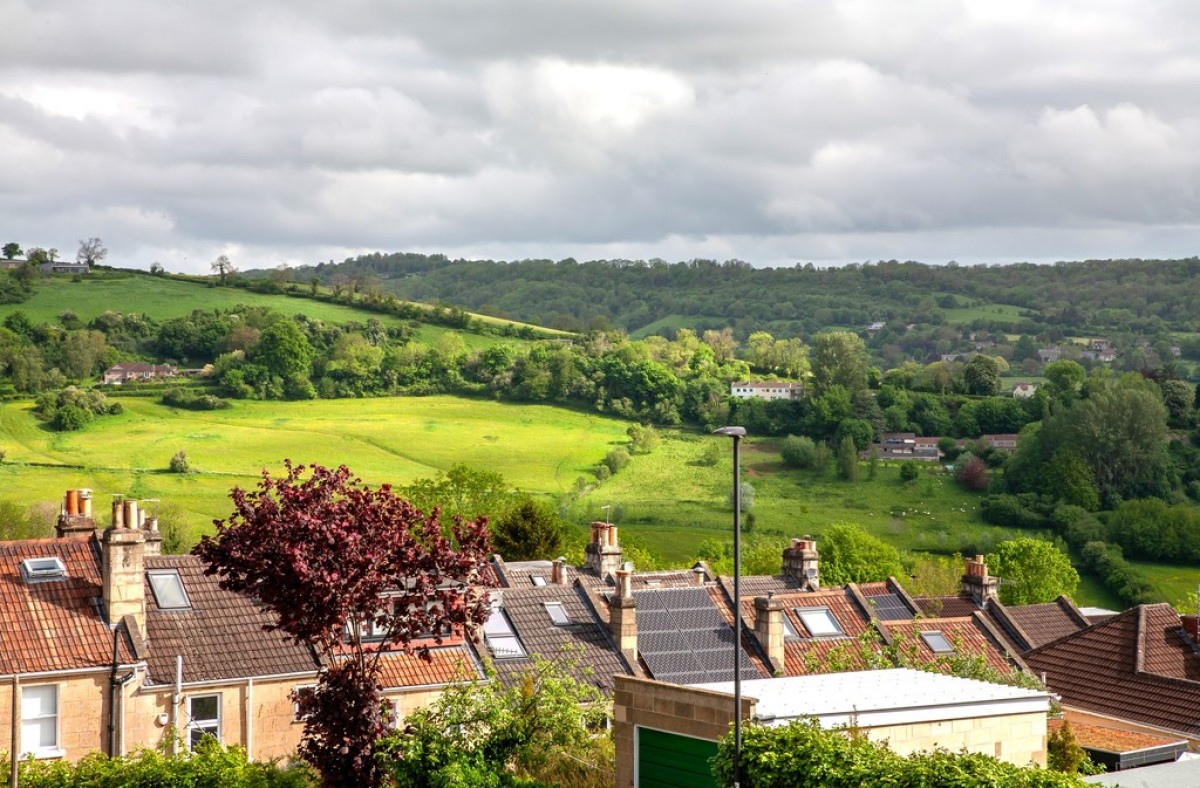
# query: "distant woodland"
(1142, 297)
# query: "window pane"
(205, 707)
(819, 621)
(505, 647)
(39, 735)
(937, 641)
(789, 631)
(558, 614)
(168, 589)
(39, 701)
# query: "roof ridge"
(998, 608)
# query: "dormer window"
(819, 622)
(43, 570)
(169, 593)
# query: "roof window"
(558, 614)
(937, 642)
(42, 570)
(501, 640)
(538, 580)
(169, 593)
(819, 622)
(789, 629)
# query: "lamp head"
(730, 432)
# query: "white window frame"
(563, 618)
(296, 715)
(29, 721)
(203, 726)
(931, 638)
(170, 576)
(829, 617)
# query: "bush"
(909, 472)
(803, 755)
(711, 455)
(972, 474)
(616, 459)
(208, 764)
(70, 418)
(179, 463)
(798, 451)
(191, 400)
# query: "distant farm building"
(136, 372)
(907, 446)
(1024, 390)
(766, 389)
(64, 267)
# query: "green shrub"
(179, 463)
(192, 400)
(909, 472)
(803, 755)
(209, 764)
(798, 451)
(616, 459)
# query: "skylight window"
(558, 614)
(169, 593)
(41, 570)
(819, 622)
(539, 581)
(501, 640)
(789, 631)
(937, 641)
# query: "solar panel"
(889, 607)
(683, 637)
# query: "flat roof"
(882, 697)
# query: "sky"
(775, 132)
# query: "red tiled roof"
(221, 636)
(968, 636)
(54, 625)
(1098, 737)
(947, 606)
(807, 654)
(400, 670)
(1137, 666)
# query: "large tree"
(530, 530)
(851, 555)
(331, 559)
(284, 350)
(12, 250)
(91, 251)
(223, 267)
(839, 358)
(1031, 571)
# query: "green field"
(670, 503)
(538, 448)
(163, 298)
(996, 313)
(673, 323)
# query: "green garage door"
(668, 760)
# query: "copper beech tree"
(351, 572)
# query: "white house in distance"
(1024, 390)
(766, 389)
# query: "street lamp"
(737, 433)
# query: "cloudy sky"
(295, 131)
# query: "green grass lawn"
(162, 298)
(1171, 582)
(538, 448)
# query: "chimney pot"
(558, 571)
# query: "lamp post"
(737, 433)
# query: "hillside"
(1099, 296)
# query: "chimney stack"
(123, 553)
(1191, 625)
(768, 627)
(801, 563)
(76, 516)
(622, 614)
(698, 575)
(603, 550)
(558, 572)
(154, 537)
(977, 584)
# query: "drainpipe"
(176, 699)
(16, 730)
(114, 688)
(250, 719)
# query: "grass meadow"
(538, 448)
(162, 298)
(996, 313)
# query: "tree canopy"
(1031, 571)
